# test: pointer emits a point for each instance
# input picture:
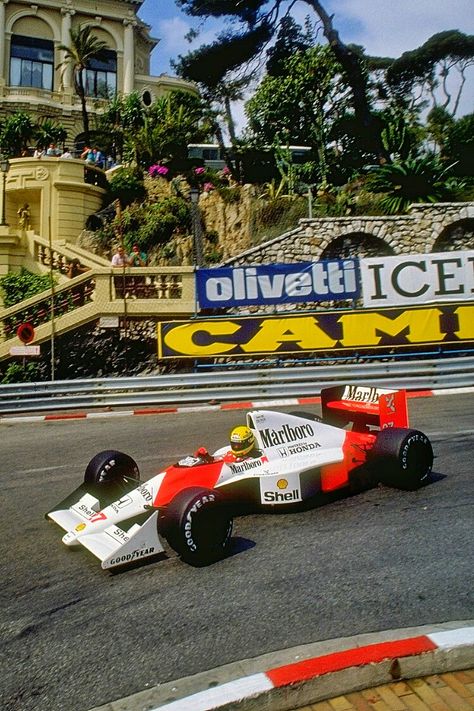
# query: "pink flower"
(157, 169)
(207, 187)
(225, 170)
(199, 171)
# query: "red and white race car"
(361, 439)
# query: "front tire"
(111, 467)
(402, 458)
(198, 526)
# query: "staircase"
(155, 293)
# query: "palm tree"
(84, 47)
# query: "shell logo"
(80, 527)
(282, 483)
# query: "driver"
(242, 443)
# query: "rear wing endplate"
(364, 405)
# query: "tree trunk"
(82, 95)
(352, 68)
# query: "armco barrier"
(191, 388)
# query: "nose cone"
(70, 539)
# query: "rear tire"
(402, 458)
(111, 467)
(198, 526)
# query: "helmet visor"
(243, 445)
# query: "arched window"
(31, 62)
(100, 77)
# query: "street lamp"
(4, 167)
(197, 244)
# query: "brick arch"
(356, 244)
(458, 235)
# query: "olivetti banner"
(326, 280)
(328, 331)
(412, 279)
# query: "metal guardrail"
(237, 385)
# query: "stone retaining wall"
(439, 227)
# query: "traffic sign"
(25, 332)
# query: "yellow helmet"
(241, 440)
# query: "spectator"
(120, 259)
(137, 258)
(88, 155)
(67, 153)
(53, 151)
(39, 152)
(79, 292)
(99, 158)
(74, 268)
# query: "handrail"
(192, 388)
(161, 292)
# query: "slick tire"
(112, 468)
(198, 526)
(402, 458)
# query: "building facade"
(32, 78)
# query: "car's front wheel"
(402, 458)
(111, 467)
(198, 526)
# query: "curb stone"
(304, 675)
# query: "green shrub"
(127, 186)
(18, 373)
(22, 285)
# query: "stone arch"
(458, 235)
(106, 34)
(32, 24)
(356, 244)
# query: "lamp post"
(4, 167)
(197, 242)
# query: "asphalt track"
(74, 637)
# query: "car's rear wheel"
(111, 467)
(402, 458)
(198, 526)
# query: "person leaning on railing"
(119, 261)
(75, 268)
(138, 259)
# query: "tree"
(145, 135)
(459, 145)
(123, 116)
(48, 131)
(84, 47)
(428, 67)
(16, 133)
(259, 22)
(300, 106)
(290, 40)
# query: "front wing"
(114, 545)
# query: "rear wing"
(363, 406)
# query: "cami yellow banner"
(341, 330)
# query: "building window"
(100, 77)
(31, 62)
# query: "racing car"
(362, 439)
